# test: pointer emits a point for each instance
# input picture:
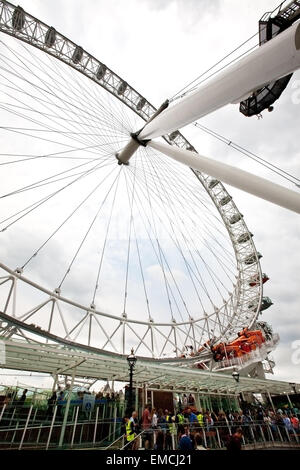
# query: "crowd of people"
(190, 429)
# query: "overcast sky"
(159, 46)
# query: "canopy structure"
(58, 359)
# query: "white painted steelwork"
(274, 59)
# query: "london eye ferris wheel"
(98, 249)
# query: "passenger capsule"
(141, 104)
(122, 88)
(252, 258)
(101, 72)
(174, 135)
(50, 37)
(77, 55)
(213, 183)
(266, 303)
(254, 280)
(245, 237)
(18, 18)
(190, 148)
(235, 218)
(225, 200)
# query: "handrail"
(214, 435)
(137, 436)
(110, 445)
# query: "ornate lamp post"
(131, 359)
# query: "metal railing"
(254, 435)
(22, 427)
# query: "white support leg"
(236, 177)
(276, 58)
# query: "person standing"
(184, 400)
(154, 419)
(192, 418)
(191, 400)
(129, 433)
(21, 401)
(22, 398)
(234, 443)
(295, 423)
(179, 418)
(185, 442)
(135, 425)
(51, 403)
(146, 425)
(198, 442)
(60, 404)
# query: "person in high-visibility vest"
(171, 423)
(200, 419)
(129, 432)
(179, 418)
(168, 415)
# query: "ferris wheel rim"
(178, 140)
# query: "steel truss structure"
(240, 309)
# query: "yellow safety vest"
(129, 434)
(169, 421)
(180, 418)
(200, 419)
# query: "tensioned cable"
(50, 88)
(249, 154)
(43, 138)
(169, 203)
(210, 249)
(88, 231)
(176, 241)
(67, 82)
(217, 71)
(184, 211)
(162, 258)
(226, 289)
(159, 255)
(139, 258)
(174, 97)
(32, 185)
(51, 117)
(194, 195)
(191, 198)
(67, 219)
(105, 240)
(93, 101)
(54, 154)
(129, 242)
(47, 198)
(26, 117)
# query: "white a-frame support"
(233, 176)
